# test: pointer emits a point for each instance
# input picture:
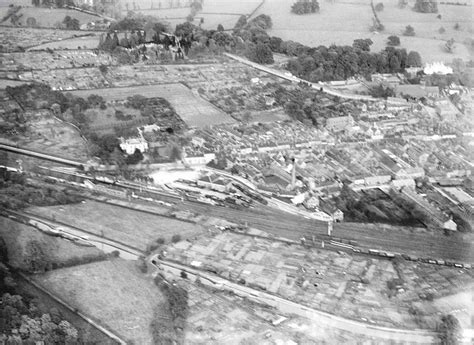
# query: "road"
(318, 317)
(294, 79)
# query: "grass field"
(127, 226)
(195, 111)
(56, 138)
(113, 292)
(49, 18)
(341, 23)
(17, 236)
(89, 42)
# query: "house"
(446, 110)
(437, 68)
(330, 208)
(341, 123)
(450, 225)
(404, 183)
(416, 91)
(131, 144)
(198, 141)
(311, 202)
(214, 182)
(413, 173)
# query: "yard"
(135, 228)
(114, 292)
(18, 236)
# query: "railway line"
(426, 244)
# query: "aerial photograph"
(254, 172)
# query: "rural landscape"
(224, 172)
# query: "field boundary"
(102, 329)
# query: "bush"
(379, 7)
(409, 31)
(176, 238)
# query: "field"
(114, 292)
(214, 12)
(195, 111)
(127, 226)
(56, 138)
(341, 23)
(72, 43)
(50, 18)
(17, 237)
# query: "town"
(177, 173)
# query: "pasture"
(341, 23)
(114, 292)
(192, 109)
(50, 18)
(120, 224)
(18, 236)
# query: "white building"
(437, 68)
(131, 144)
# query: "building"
(416, 91)
(328, 207)
(131, 144)
(437, 68)
(341, 123)
(214, 182)
(446, 110)
(450, 225)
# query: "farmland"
(122, 225)
(114, 292)
(50, 18)
(341, 23)
(17, 236)
(195, 111)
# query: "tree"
(402, 3)
(457, 26)
(134, 158)
(409, 31)
(362, 44)
(31, 22)
(379, 7)
(35, 259)
(413, 59)
(426, 6)
(393, 40)
(176, 238)
(220, 27)
(241, 22)
(449, 46)
(259, 53)
(441, 30)
(449, 330)
(305, 6)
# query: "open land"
(342, 23)
(11, 38)
(18, 236)
(51, 18)
(195, 111)
(122, 225)
(114, 292)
